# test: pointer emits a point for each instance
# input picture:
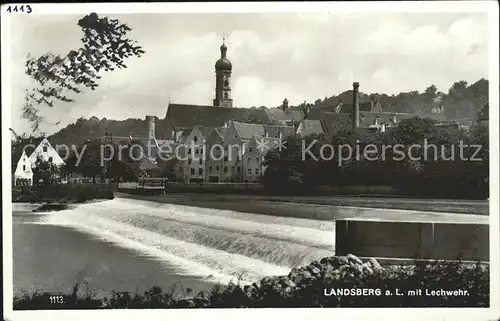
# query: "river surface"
(132, 245)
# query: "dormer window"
(195, 139)
(44, 149)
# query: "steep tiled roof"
(205, 130)
(246, 131)
(332, 121)
(221, 131)
(311, 126)
(280, 115)
(368, 118)
(274, 130)
(187, 116)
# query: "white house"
(47, 153)
(23, 176)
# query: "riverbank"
(327, 209)
(331, 282)
(62, 193)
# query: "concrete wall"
(432, 240)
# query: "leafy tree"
(120, 166)
(45, 173)
(105, 46)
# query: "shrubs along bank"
(339, 281)
(62, 193)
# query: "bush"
(311, 286)
(63, 193)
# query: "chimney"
(355, 105)
(372, 103)
(151, 126)
(382, 128)
(394, 119)
(377, 121)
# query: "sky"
(300, 56)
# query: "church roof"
(183, 116)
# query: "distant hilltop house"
(23, 174)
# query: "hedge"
(309, 286)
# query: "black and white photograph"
(174, 158)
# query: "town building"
(214, 162)
(191, 156)
(23, 175)
(308, 127)
(45, 152)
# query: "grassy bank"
(62, 193)
(310, 286)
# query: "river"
(132, 245)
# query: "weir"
(217, 245)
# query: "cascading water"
(217, 245)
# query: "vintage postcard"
(168, 161)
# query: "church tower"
(223, 68)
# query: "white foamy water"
(217, 245)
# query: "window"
(232, 169)
(226, 95)
(225, 158)
(250, 149)
(225, 169)
(192, 171)
(189, 161)
(257, 159)
(249, 171)
(50, 159)
(201, 161)
(217, 168)
(44, 149)
(24, 167)
(200, 171)
(257, 171)
(196, 151)
(189, 151)
(238, 158)
(195, 139)
(226, 83)
(210, 169)
(238, 169)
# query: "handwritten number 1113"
(22, 9)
